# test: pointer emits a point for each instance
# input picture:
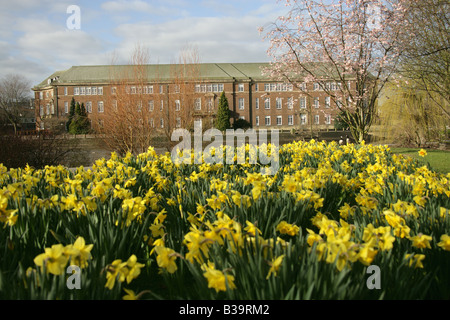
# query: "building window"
(94, 91)
(316, 102)
(241, 103)
(66, 107)
(178, 124)
(303, 119)
(89, 107)
(316, 119)
(257, 103)
(152, 123)
(161, 89)
(133, 90)
(198, 104)
(161, 107)
(151, 105)
(114, 105)
(266, 86)
(316, 86)
(279, 102)
(41, 110)
(210, 104)
(177, 88)
(267, 103)
(76, 91)
(279, 120)
(290, 120)
(256, 87)
(241, 87)
(267, 120)
(65, 91)
(100, 91)
(41, 95)
(302, 102)
(327, 119)
(100, 107)
(161, 122)
(83, 91)
(88, 91)
(327, 102)
(113, 90)
(290, 103)
(52, 108)
(257, 121)
(177, 105)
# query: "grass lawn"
(439, 160)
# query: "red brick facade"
(264, 104)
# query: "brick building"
(263, 102)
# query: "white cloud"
(122, 5)
(218, 39)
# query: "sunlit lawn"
(439, 160)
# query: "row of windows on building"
(198, 104)
(290, 120)
(216, 87)
(267, 120)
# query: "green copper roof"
(163, 72)
(103, 74)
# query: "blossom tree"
(348, 48)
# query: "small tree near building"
(80, 122)
(223, 114)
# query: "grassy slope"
(439, 160)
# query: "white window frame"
(198, 104)
(327, 102)
(267, 120)
(257, 103)
(302, 102)
(316, 102)
(100, 107)
(241, 104)
(279, 120)
(304, 119)
(267, 103)
(240, 87)
(151, 105)
(290, 120)
(279, 103)
(257, 121)
(177, 105)
(290, 103)
(66, 106)
(316, 119)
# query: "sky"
(39, 37)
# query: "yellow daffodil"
(217, 279)
(445, 242)
(275, 265)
